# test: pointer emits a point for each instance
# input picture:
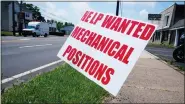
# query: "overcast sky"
(72, 11)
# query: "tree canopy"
(36, 12)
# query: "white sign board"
(105, 48)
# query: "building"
(67, 29)
(52, 25)
(6, 15)
(171, 25)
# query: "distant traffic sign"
(154, 16)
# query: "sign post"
(105, 48)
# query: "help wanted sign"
(105, 48)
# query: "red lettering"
(83, 38)
(89, 16)
(134, 23)
(76, 59)
(75, 32)
(100, 71)
(96, 41)
(139, 29)
(105, 80)
(91, 38)
(102, 44)
(94, 67)
(150, 29)
(81, 59)
(85, 62)
(80, 34)
(123, 26)
(100, 16)
(108, 21)
(116, 45)
(116, 24)
(93, 18)
(67, 50)
(108, 45)
(71, 54)
(125, 59)
(85, 15)
(121, 52)
(88, 66)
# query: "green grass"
(164, 45)
(171, 62)
(181, 68)
(62, 85)
(6, 33)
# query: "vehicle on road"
(178, 53)
(36, 29)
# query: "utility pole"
(20, 20)
(13, 18)
(117, 8)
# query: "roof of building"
(168, 7)
(175, 4)
(179, 23)
(25, 9)
(5, 2)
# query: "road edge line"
(28, 72)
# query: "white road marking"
(35, 46)
(25, 39)
(28, 72)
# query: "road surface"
(20, 54)
(164, 53)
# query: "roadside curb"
(26, 76)
(174, 67)
(28, 72)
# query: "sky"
(73, 11)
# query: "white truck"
(36, 29)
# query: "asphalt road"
(20, 54)
(164, 53)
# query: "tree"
(59, 25)
(66, 24)
(36, 12)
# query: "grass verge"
(160, 45)
(62, 85)
(6, 33)
(171, 62)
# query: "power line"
(51, 13)
(51, 17)
(121, 7)
(54, 14)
